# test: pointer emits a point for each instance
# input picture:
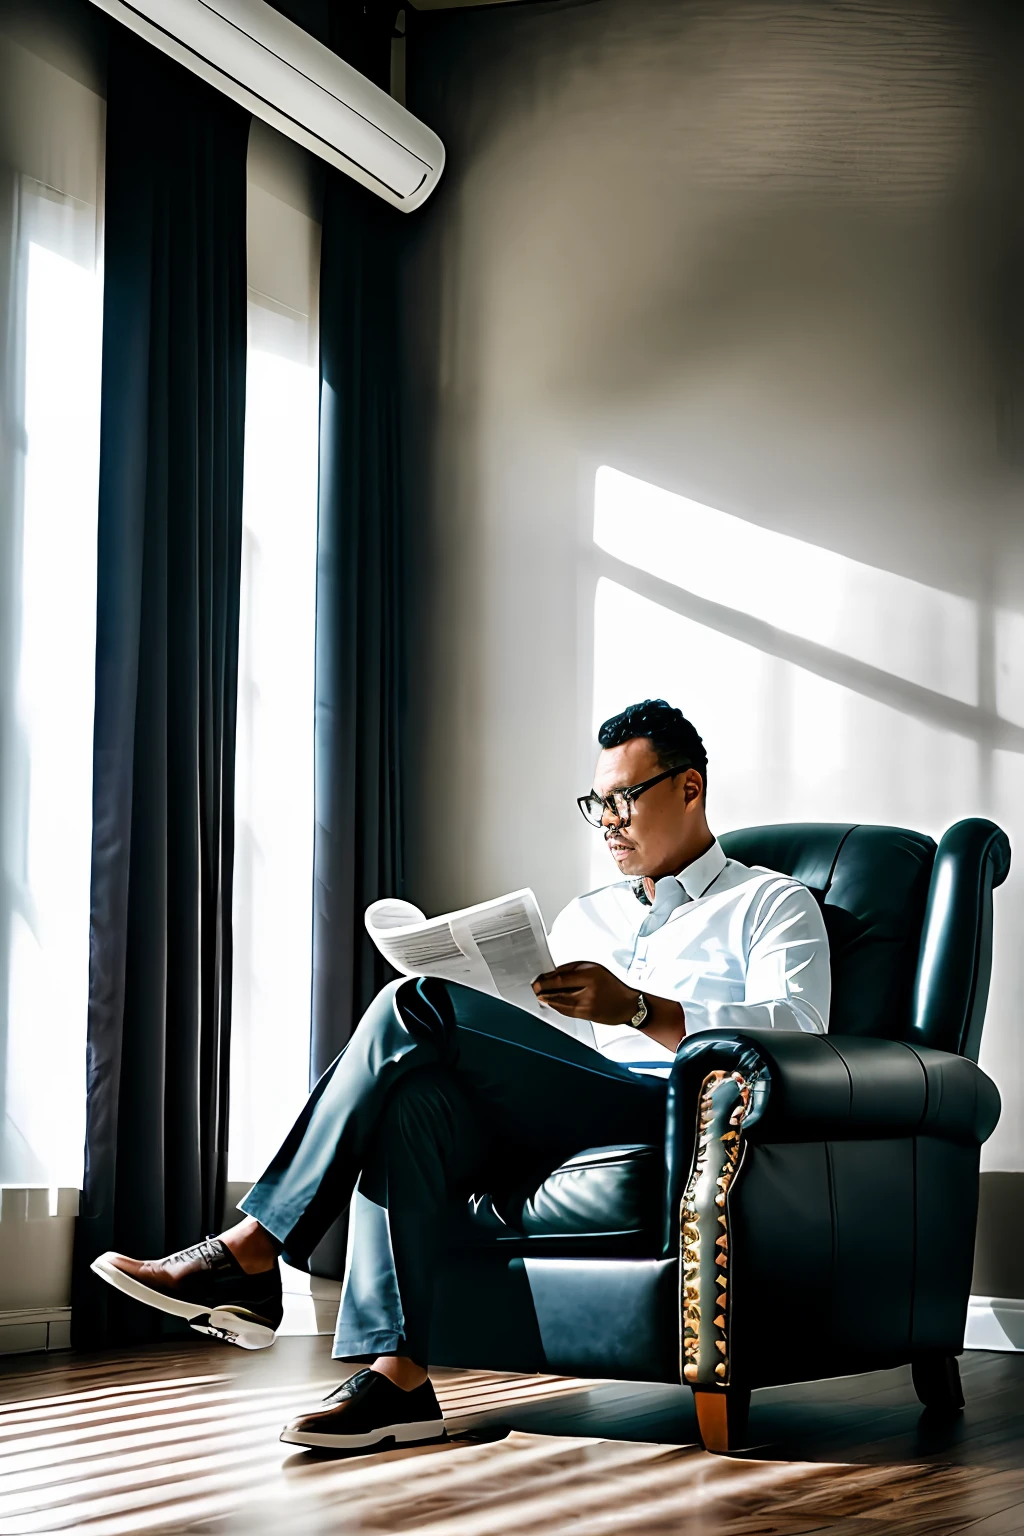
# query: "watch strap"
(640, 1017)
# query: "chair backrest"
(909, 924)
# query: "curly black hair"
(673, 737)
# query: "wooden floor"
(186, 1439)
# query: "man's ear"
(693, 787)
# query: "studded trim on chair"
(704, 1301)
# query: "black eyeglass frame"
(629, 793)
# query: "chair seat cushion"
(604, 1199)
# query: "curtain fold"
(358, 847)
(360, 625)
(170, 518)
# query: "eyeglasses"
(620, 802)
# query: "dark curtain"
(170, 519)
(359, 621)
(360, 604)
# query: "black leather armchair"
(812, 1211)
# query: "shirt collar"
(703, 872)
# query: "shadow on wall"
(814, 652)
(828, 688)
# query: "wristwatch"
(640, 1016)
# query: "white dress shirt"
(738, 948)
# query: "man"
(442, 1088)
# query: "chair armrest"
(841, 1088)
(825, 1088)
(956, 953)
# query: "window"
(49, 530)
(273, 877)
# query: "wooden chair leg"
(937, 1381)
(722, 1417)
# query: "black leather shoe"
(207, 1285)
(369, 1410)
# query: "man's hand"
(585, 990)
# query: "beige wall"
(767, 257)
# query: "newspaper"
(498, 946)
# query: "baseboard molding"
(998, 1252)
(995, 1322)
(310, 1307)
(37, 1234)
(28, 1330)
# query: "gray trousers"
(423, 1105)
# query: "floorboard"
(184, 1438)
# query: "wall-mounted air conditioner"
(280, 73)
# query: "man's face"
(666, 820)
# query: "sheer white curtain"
(51, 149)
(274, 773)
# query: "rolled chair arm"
(953, 973)
(805, 1087)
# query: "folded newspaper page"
(498, 946)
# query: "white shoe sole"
(234, 1325)
(401, 1434)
